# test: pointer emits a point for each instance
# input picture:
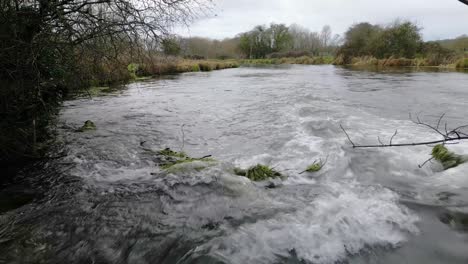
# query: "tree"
(171, 46)
(304, 40)
(45, 49)
(256, 43)
(325, 36)
(280, 37)
(399, 40)
(357, 41)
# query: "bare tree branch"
(449, 136)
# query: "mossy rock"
(189, 165)
(88, 126)
(171, 160)
(258, 173)
(447, 158)
(170, 153)
(314, 167)
(186, 160)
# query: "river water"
(106, 201)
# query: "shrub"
(462, 63)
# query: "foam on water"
(344, 220)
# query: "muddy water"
(106, 201)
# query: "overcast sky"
(439, 19)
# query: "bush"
(462, 63)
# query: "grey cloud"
(439, 18)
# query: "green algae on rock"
(447, 158)
(173, 161)
(170, 153)
(88, 126)
(314, 167)
(258, 173)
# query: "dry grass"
(403, 62)
(306, 60)
(161, 66)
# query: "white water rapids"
(364, 206)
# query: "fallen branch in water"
(449, 136)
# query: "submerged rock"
(88, 126)
(456, 220)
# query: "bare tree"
(325, 36)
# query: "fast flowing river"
(106, 200)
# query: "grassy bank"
(177, 65)
(25, 133)
(451, 63)
(306, 60)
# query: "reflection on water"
(106, 201)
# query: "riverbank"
(305, 60)
(174, 66)
(449, 63)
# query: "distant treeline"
(363, 43)
(273, 41)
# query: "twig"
(391, 140)
(349, 138)
(204, 157)
(440, 119)
(380, 141)
(422, 165)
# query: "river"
(103, 199)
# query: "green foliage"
(398, 44)
(258, 173)
(462, 63)
(195, 68)
(316, 166)
(400, 40)
(358, 40)
(132, 69)
(170, 153)
(447, 158)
